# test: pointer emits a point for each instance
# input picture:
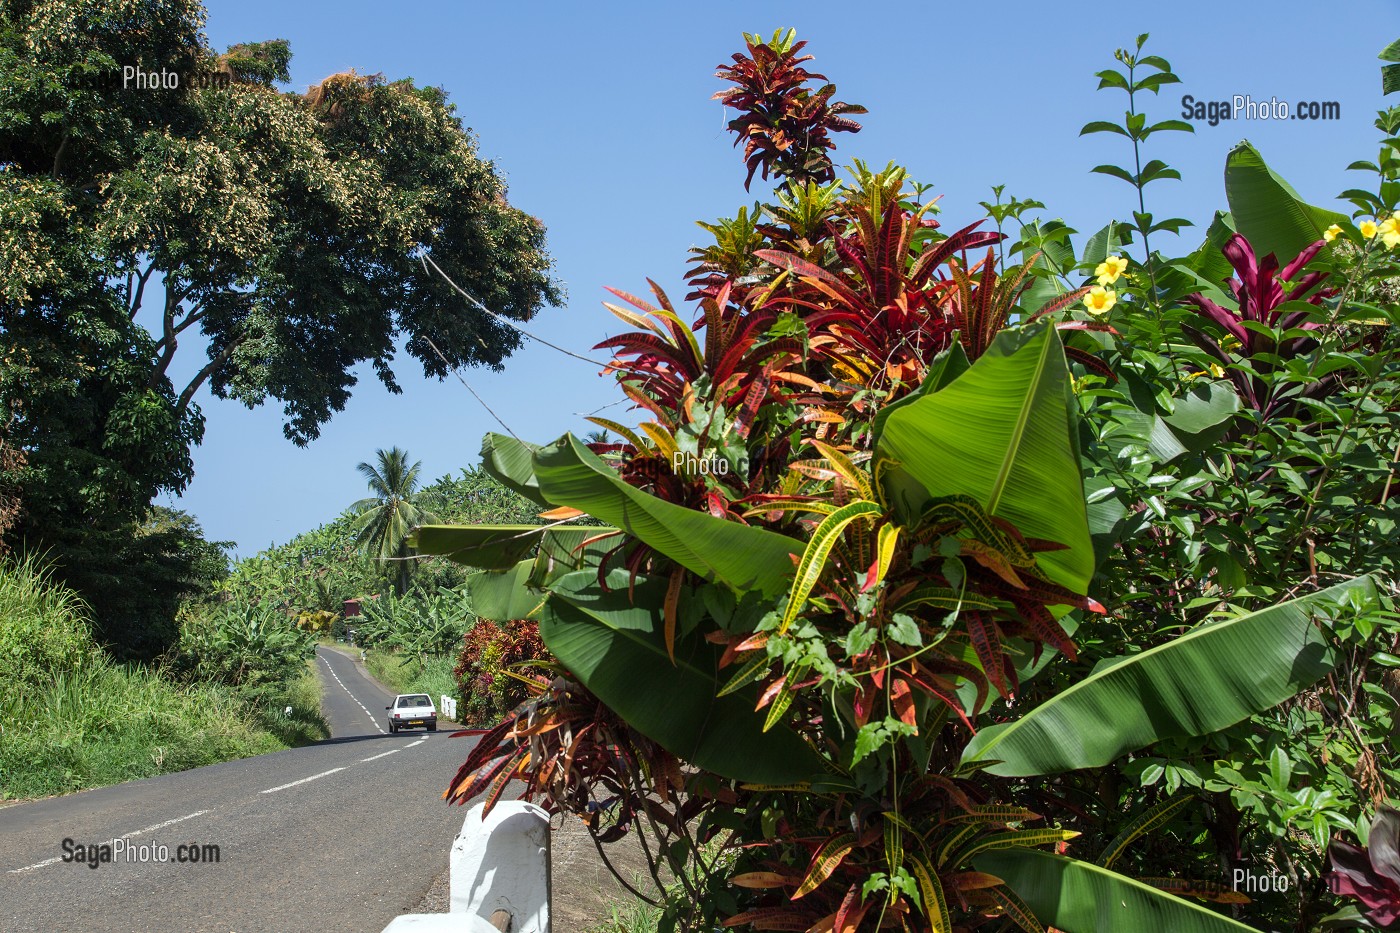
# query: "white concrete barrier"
(499, 870)
(448, 708)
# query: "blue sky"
(599, 117)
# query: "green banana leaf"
(1078, 897)
(1004, 432)
(1266, 209)
(505, 595)
(616, 648)
(1109, 241)
(501, 547)
(1212, 677)
(512, 463)
(488, 547)
(740, 556)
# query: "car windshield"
(417, 700)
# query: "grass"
(407, 674)
(629, 916)
(72, 720)
(105, 723)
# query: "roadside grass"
(410, 674)
(629, 916)
(73, 719)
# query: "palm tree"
(387, 517)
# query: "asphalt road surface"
(339, 836)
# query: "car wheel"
(393, 729)
(432, 727)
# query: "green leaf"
(1079, 897)
(488, 547)
(1004, 434)
(1266, 209)
(1193, 685)
(505, 595)
(1109, 241)
(1203, 414)
(1116, 172)
(616, 649)
(946, 366)
(1102, 126)
(511, 462)
(824, 538)
(740, 556)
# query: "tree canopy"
(277, 233)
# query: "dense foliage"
(276, 233)
(976, 580)
(492, 672)
(72, 718)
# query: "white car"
(410, 710)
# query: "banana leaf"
(1004, 433)
(505, 595)
(1267, 211)
(511, 462)
(1212, 677)
(615, 646)
(1078, 897)
(739, 556)
(501, 547)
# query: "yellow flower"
(1100, 300)
(1212, 369)
(1331, 232)
(1390, 232)
(1110, 269)
(1368, 228)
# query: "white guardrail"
(448, 707)
(499, 875)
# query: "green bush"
(43, 627)
(71, 718)
(253, 647)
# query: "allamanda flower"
(1332, 232)
(1390, 232)
(1100, 300)
(1110, 269)
(1368, 228)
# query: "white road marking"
(419, 742)
(131, 835)
(352, 696)
(313, 777)
(382, 754)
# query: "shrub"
(43, 627)
(252, 647)
(488, 651)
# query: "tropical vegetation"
(978, 576)
(278, 236)
(72, 718)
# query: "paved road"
(339, 836)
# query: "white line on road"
(131, 835)
(382, 754)
(302, 781)
(352, 696)
(419, 742)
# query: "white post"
(499, 876)
(502, 863)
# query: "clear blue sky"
(599, 116)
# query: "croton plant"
(851, 520)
